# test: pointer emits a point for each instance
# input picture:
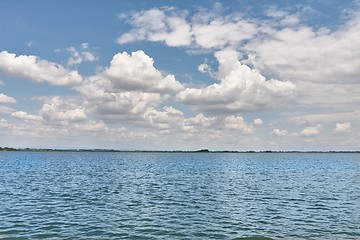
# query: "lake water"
(64, 195)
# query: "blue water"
(61, 195)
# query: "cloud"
(199, 122)
(219, 124)
(84, 45)
(258, 121)
(205, 29)
(25, 116)
(304, 53)
(6, 99)
(136, 72)
(316, 95)
(4, 125)
(222, 32)
(37, 70)
(321, 61)
(204, 68)
(91, 126)
(126, 104)
(29, 44)
(208, 30)
(169, 119)
(273, 12)
(206, 131)
(333, 117)
(237, 123)
(6, 109)
(284, 44)
(57, 109)
(240, 89)
(155, 25)
(80, 56)
(310, 131)
(279, 132)
(343, 127)
(129, 90)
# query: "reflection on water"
(179, 196)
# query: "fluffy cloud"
(3, 122)
(258, 121)
(310, 131)
(25, 116)
(37, 70)
(312, 54)
(169, 119)
(204, 68)
(237, 123)
(130, 88)
(79, 56)
(155, 25)
(218, 124)
(56, 109)
(222, 32)
(127, 104)
(136, 72)
(282, 17)
(343, 127)
(199, 122)
(284, 44)
(207, 30)
(240, 89)
(6, 99)
(279, 132)
(203, 131)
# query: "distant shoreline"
(9, 149)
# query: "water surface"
(64, 195)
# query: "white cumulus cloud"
(169, 119)
(57, 109)
(237, 123)
(305, 53)
(37, 70)
(240, 89)
(258, 121)
(156, 25)
(136, 72)
(6, 99)
(207, 30)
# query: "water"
(63, 195)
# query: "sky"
(180, 75)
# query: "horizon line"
(24, 149)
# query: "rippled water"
(179, 196)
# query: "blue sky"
(223, 75)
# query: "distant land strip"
(10, 149)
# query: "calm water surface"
(179, 196)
